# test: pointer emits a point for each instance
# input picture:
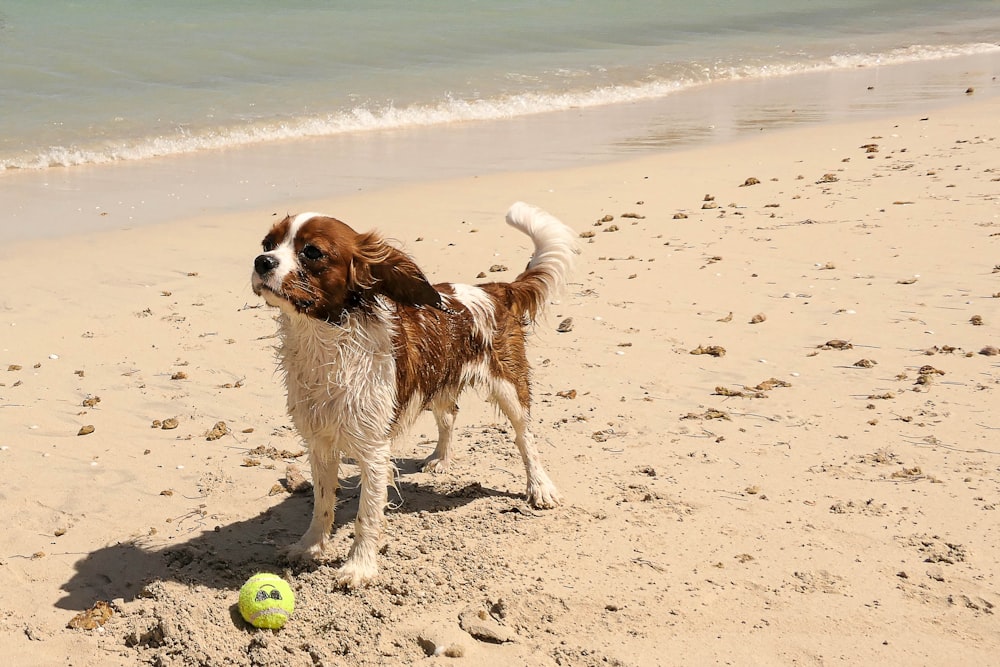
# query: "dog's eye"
(268, 245)
(311, 252)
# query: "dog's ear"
(383, 269)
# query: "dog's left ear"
(394, 274)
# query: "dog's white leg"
(541, 491)
(362, 565)
(324, 460)
(445, 412)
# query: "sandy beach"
(772, 419)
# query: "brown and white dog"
(367, 343)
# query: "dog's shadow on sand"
(223, 556)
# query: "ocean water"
(105, 81)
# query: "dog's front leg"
(324, 459)
(361, 565)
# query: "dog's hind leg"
(514, 400)
(445, 411)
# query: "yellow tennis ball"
(266, 601)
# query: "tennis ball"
(266, 601)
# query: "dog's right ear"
(382, 269)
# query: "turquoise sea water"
(112, 80)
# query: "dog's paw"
(544, 496)
(306, 552)
(435, 465)
(355, 575)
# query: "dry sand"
(845, 512)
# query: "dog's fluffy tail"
(551, 263)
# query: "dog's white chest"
(340, 379)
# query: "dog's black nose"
(264, 264)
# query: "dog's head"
(318, 266)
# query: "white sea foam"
(368, 118)
(913, 54)
(358, 119)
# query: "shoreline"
(86, 199)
